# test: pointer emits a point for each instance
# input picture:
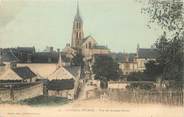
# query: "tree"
(77, 60)
(105, 68)
(168, 14)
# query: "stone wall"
(21, 93)
(26, 93)
(2, 69)
(5, 95)
(69, 94)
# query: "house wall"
(128, 67)
(22, 93)
(30, 80)
(117, 85)
(27, 93)
(136, 66)
(89, 52)
(101, 51)
(69, 94)
(2, 69)
(5, 95)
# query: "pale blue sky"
(40, 23)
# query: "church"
(87, 45)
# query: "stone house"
(18, 74)
(64, 81)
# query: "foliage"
(136, 76)
(140, 76)
(171, 57)
(140, 86)
(168, 14)
(44, 100)
(153, 70)
(77, 60)
(105, 68)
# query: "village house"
(64, 81)
(130, 63)
(12, 73)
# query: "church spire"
(77, 33)
(77, 16)
(78, 11)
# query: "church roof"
(86, 38)
(121, 57)
(148, 53)
(100, 47)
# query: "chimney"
(1, 61)
(13, 65)
(1, 58)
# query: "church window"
(79, 35)
(78, 25)
(90, 45)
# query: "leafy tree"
(77, 60)
(153, 69)
(168, 14)
(105, 69)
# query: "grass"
(45, 101)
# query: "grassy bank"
(45, 101)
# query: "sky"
(117, 24)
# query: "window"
(79, 35)
(90, 45)
(78, 25)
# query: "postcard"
(84, 58)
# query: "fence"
(169, 97)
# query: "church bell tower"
(77, 33)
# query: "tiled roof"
(83, 40)
(65, 84)
(26, 49)
(121, 57)
(24, 72)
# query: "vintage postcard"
(83, 58)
